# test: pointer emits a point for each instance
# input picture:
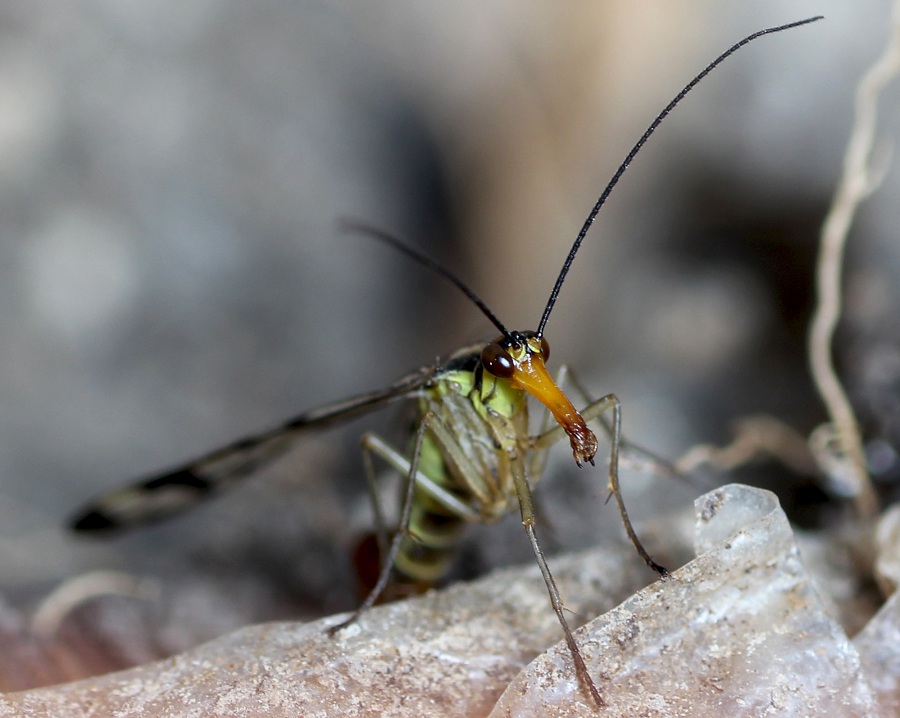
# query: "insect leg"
(595, 410)
(591, 412)
(643, 457)
(523, 492)
(381, 532)
(375, 445)
(405, 513)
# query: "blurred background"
(172, 276)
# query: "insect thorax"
(486, 421)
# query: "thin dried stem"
(76, 591)
(855, 184)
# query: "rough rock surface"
(738, 631)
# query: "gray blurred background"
(171, 275)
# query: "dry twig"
(857, 181)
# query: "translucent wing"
(163, 495)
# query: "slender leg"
(375, 445)
(617, 492)
(523, 492)
(388, 563)
(656, 463)
(593, 411)
(381, 532)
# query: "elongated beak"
(531, 375)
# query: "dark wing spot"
(149, 501)
(94, 521)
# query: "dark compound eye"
(498, 361)
(545, 349)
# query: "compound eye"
(545, 349)
(497, 361)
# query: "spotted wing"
(163, 495)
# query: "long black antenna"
(352, 225)
(637, 148)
